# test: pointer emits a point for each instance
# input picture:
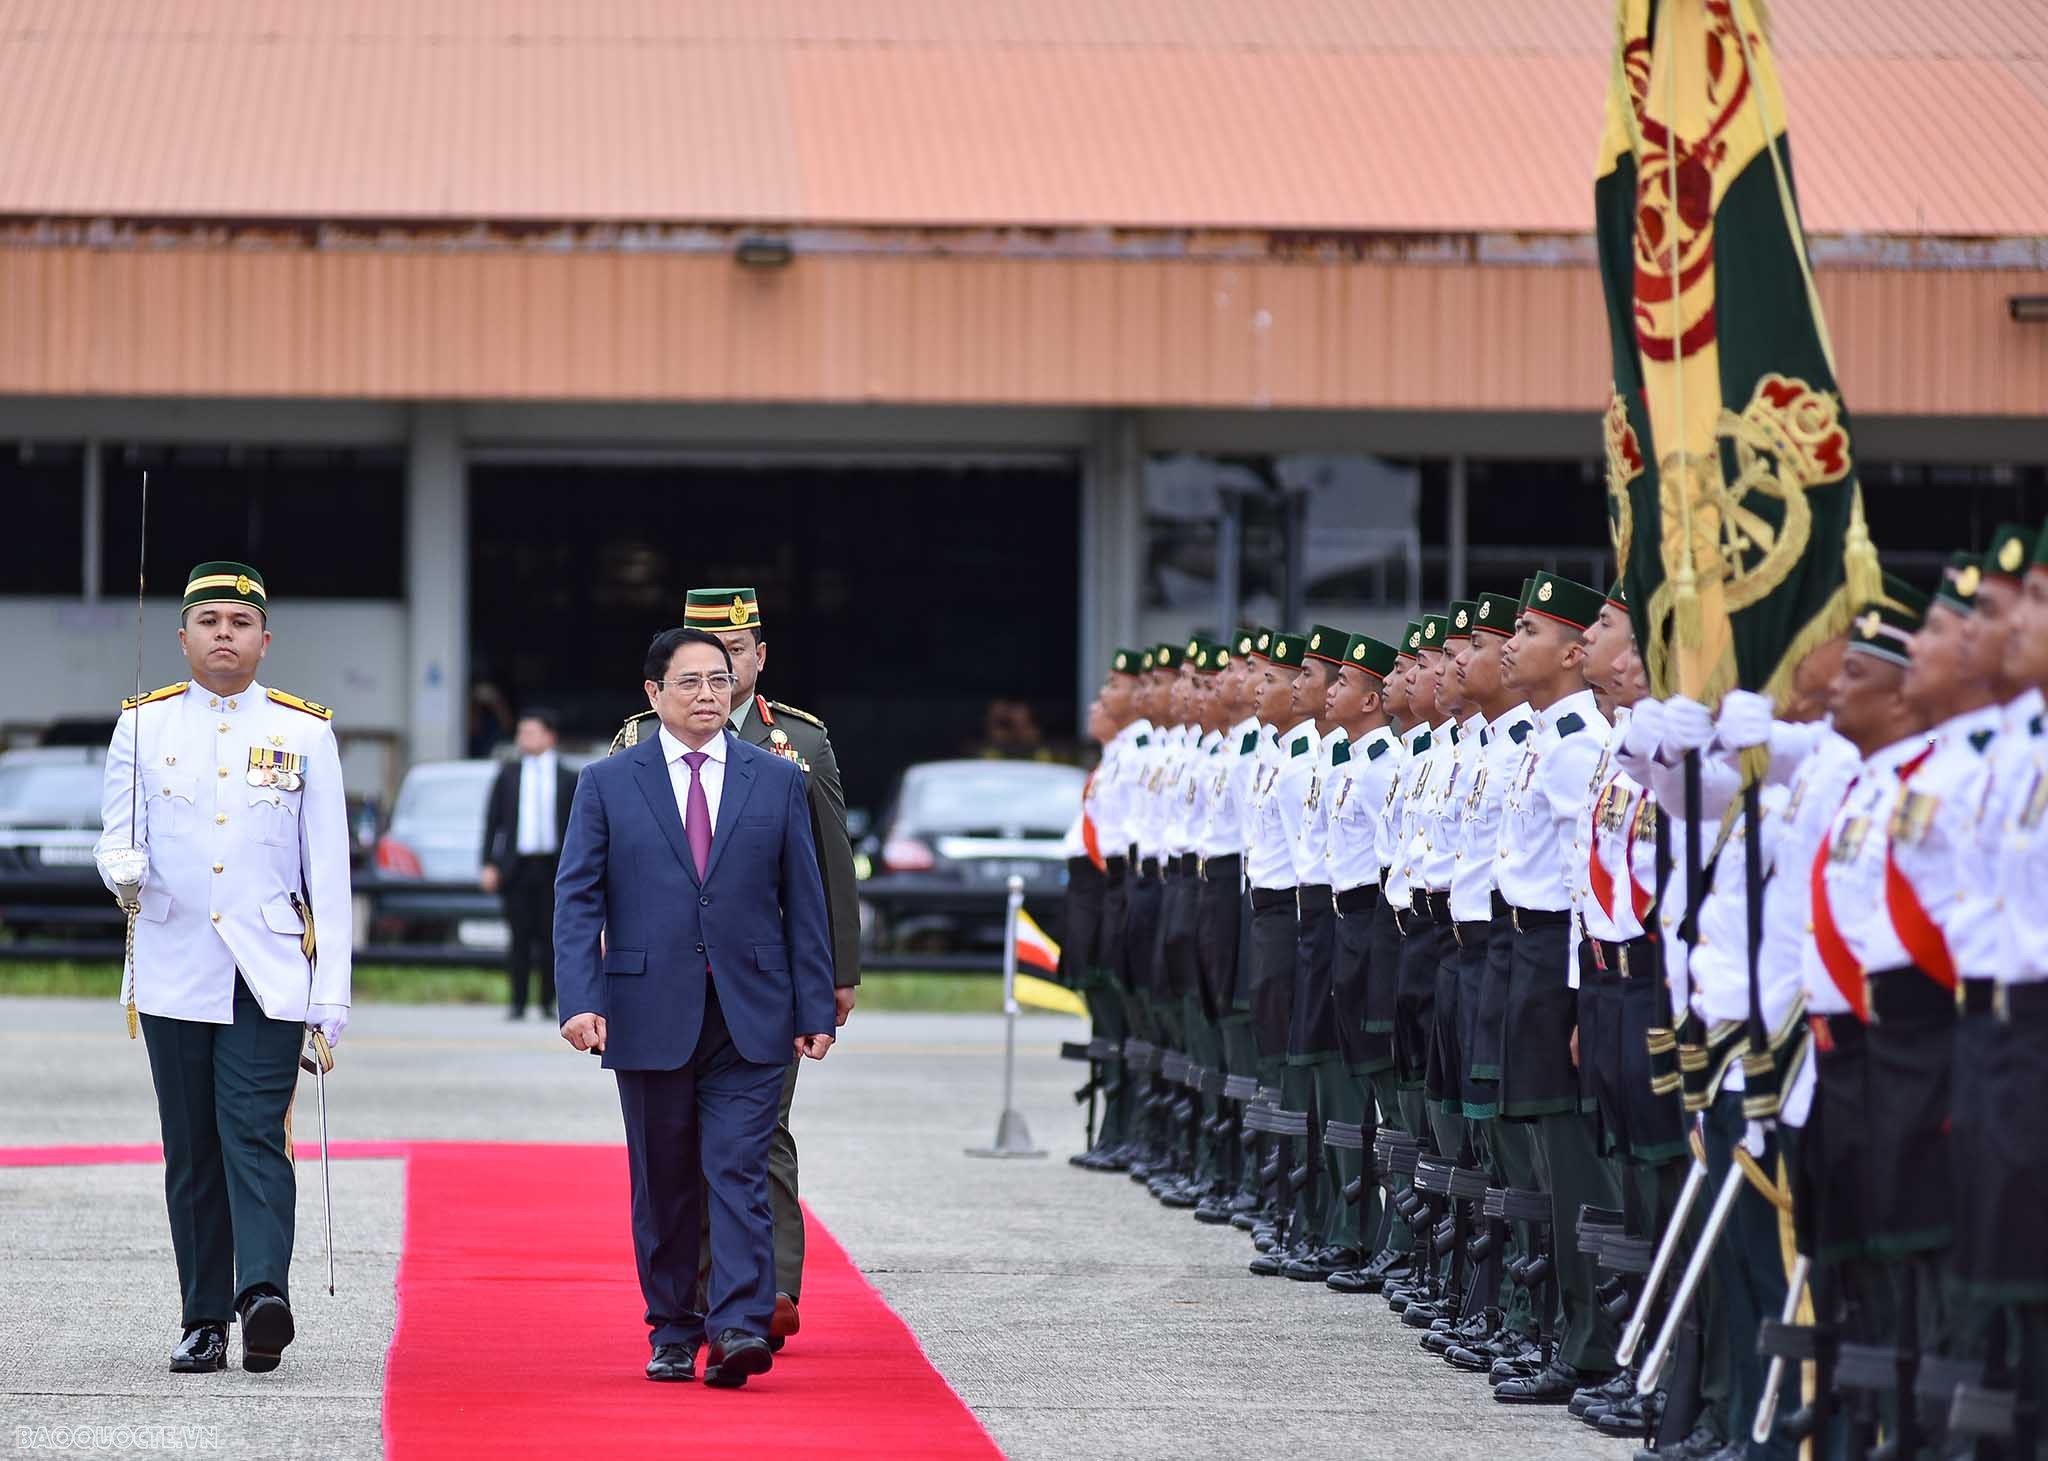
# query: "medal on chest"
(1912, 817)
(284, 770)
(2036, 804)
(1849, 841)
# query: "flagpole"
(1013, 1137)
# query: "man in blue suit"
(693, 945)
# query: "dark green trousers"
(1204, 1048)
(1386, 1092)
(1241, 1057)
(1108, 1021)
(1572, 1171)
(1340, 1096)
(1505, 1150)
(222, 1092)
(1297, 1093)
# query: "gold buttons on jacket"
(213, 704)
(223, 727)
(219, 817)
(216, 918)
(217, 867)
(223, 772)
(231, 705)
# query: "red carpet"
(520, 1330)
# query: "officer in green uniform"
(733, 615)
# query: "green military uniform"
(801, 737)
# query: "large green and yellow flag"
(1732, 490)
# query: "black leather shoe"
(1553, 1386)
(1630, 1418)
(203, 1349)
(673, 1362)
(1596, 1398)
(1702, 1443)
(1214, 1211)
(1317, 1267)
(266, 1330)
(1520, 1365)
(734, 1356)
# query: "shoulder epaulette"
(1519, 731)
(803, 715)
(1980, 739)
(1249, 744)
(629, 733)
(1571, 725)
(1300, 746)
(1378, 749)
(1340, 753)
(311, 707)
(153, 696)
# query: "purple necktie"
(697, 820)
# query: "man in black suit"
(523, 828)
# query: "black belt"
(1908, 994)
(1310, 895)
(1525, 919)
(1114, 868)
(1149, 867)
(1439, 907)
(1221, 869)
(1617, 956)
(2028, 1001)
(1264, 898)
(1358, 900)
(1189, 864)
(1472, 932)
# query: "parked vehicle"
(422, 882)
(954, 834)
(49, 821)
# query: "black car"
(49, 822)
(938, 872)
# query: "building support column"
(1455, 511)
(1112, 547)
(91, 494)
(436, 586)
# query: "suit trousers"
(528, 895)
(697, 1137)
(222, 1094)
(782, 1198)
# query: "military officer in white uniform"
(240, 819)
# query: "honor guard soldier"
(733, 616)
(1484, 946)
(231, 792)
(1545, 797)
(1081, 850)
(1363, 765)
(1312, 1045)
(1174, 972)
(1108, 797)
(1269, 875)
(2000, 1148)
(1858, 1137)
(1416, 957)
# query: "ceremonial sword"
(320, 1061)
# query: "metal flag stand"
(1013, 1137)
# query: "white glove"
(1688, 726)
(1639, 741)
(1745, 720)
(1753, 1140)
(329, 1019)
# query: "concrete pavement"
(1072, 1313)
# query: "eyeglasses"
(691, 684)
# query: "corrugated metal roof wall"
(610, 326)
(1366, 115)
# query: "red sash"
(1841, 965)
(1920, 934)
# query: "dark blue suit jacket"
(757, 917)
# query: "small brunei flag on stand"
(1036, 951)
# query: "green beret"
(1496, 614)
(1618, 595)
(1463, 615)
(1166, 657)
(1262, 643)
(2007, 555)
(1559, 598)
(1210, 657)
(721, 610)
(1885, 627)
(1125, 662)
(1375, 657)
(1436, 628)
(1290, 650)
(1522, 601)
(221, 582)
(2041, 549)
(1241, 642)
(1327, 644)
(1411, 639)
(1959, 583)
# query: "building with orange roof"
(488, 327)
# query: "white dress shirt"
(536, 805)
(711, 772)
